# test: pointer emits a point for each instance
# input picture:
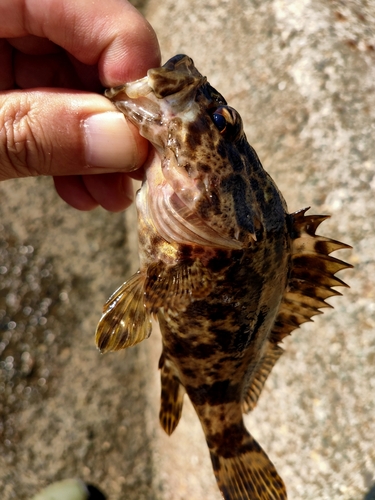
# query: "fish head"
(208, 177)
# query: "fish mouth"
(150, 99)
(153, 104)
(158, 105)
(134, 99)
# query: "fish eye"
(220, 122)
(227, 121)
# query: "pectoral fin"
(172, 396)
(175, 286)
(125, 320)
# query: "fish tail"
(248, 475)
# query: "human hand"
(53, 55)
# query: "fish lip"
(132, 90)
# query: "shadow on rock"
(370, 495)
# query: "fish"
(225, 270)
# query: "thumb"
(50, 132)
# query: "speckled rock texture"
(302, 75)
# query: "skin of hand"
(56, 57)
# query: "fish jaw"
(158, 105)
(153, 101)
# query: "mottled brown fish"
(224, 268)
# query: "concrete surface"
(302, 75)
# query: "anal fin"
(125, 320)
(248, 475)
(172, 396)
(252, 392)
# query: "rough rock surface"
(302, 75)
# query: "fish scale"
(224, 269)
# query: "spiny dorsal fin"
(252, 392)
(312, 274)
(172, 396)
(125, 320)
(168, 286)
(248, 474)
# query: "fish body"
(224, 268)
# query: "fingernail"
(109, 142)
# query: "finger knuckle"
(20, 151)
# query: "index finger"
(110, 33)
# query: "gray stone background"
(302, 75)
